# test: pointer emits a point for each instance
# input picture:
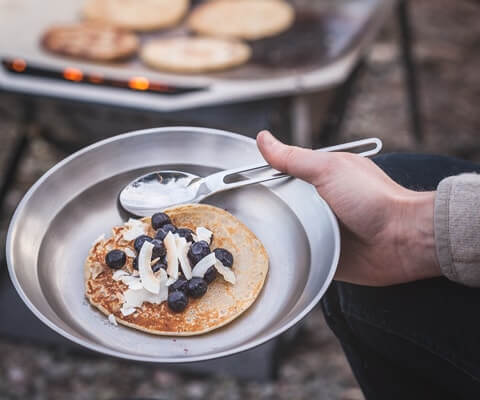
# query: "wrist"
(416, 239)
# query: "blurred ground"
(448, 57)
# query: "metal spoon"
(157, 190)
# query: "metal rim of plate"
(104, 349)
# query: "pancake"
(90, 41)
(243, 19)
(223, 301)
(139, 15)
(194, 55)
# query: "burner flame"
(19, 65)
(73, 74)
(139, 83)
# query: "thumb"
(302, 163)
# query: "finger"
(301, 163)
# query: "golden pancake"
(90, 41)
(223, 301)
(139, 15)
(194, 55)
(244, 19)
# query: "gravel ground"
(448, 58)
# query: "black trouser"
(419, 340)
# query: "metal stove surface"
(318, 51)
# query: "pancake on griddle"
(138, 15)
(223, 301)
(243, 19)
(194, 54)
(90, 41)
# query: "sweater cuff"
(457, 228)
(442, 229)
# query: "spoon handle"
(228, 180)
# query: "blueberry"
(197, 251)
(177, 301)
(163, 231)
(160, 219)
(197, 287)
(186, 233)
(116, 259)
(224, 256)
(157, 266)
(158, 249)
(135, 263)
(160, 235)
(210, 275)
(180, 284)
(169, 228)
(139, 241)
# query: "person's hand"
(387, 230)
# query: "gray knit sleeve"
(457, 228)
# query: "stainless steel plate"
(76, 201)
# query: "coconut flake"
(132, 282)
(129, 252)
(172, 257)
(227, 273)
(126, 311)
(203, 265)
(135, 298)
(117, 275)
(135, 228)
(149, 281)
(170, 281)
(112, 319)
(182, 250)
(203, 234)
(163, 277)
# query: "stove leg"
(19, 149)
(406, 39)
(14, 160)
(338, 107)
(301, 126)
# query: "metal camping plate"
(76, 201)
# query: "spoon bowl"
(149, 193)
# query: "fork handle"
(217, 182)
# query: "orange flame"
(139, 83)
(73, 74)
(19, 65)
